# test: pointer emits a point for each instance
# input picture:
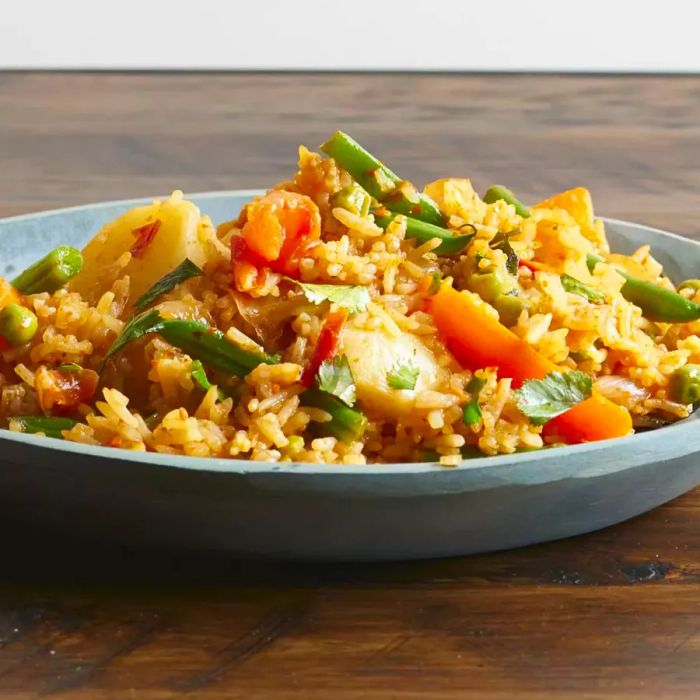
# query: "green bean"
(347, 424)
(656, 303)
(17, 324)
(574, 286)
(384, 185)
(684, 385)
(51, 426)
(491, 283)
(509, 307)
(496, 192)
(51, 272)
(202, 342)
(199, 341)
(352, 198)
(423, 232)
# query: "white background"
(586, 35)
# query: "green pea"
(689, 284)
(491, 283)
(509, 307)
(17, 324)
(352, 198)
(684, 386)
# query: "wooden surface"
(615, 614)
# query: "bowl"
(333, 512)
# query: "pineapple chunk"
(177, 237)
(373, 354)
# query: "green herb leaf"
(184, 271)
(50, 426)
(501, 241)
(472, 413)
(70, 367)
(137, 326)
(472, 410)
(403, 375)
(199, 376)
(573, 286)
(353, 297)
(335, 378)
(543, 399)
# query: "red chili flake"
(327, 344)
(144, 236)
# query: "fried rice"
(147, 397)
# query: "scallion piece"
(184, 271)
(51, 426)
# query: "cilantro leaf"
(137, 326)
(184, 271)
(353, 297)
(403, 375)
(334, 377)
(543, 399)
(199, 377)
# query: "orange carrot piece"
(478, 340)
(596, 418)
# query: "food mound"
(347, 317)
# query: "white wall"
(588, 35)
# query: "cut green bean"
(51, 426)
(352, 198)
(384, 185)
(656, 303)
(210, 345)
(199, 341)
(496, 192)
(346, 424)
(574, 286)
(51, 272)
(684, 385)
(423, 232)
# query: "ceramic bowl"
(376, 512)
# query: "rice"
(151, 401)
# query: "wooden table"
(615, 614)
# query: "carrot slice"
(596, 418)
(478, 340)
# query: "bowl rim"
(644, 441)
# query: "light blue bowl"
(380, 512)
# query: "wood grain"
(615, 614)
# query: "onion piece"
(620, 390)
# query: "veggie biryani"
(347, 317)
